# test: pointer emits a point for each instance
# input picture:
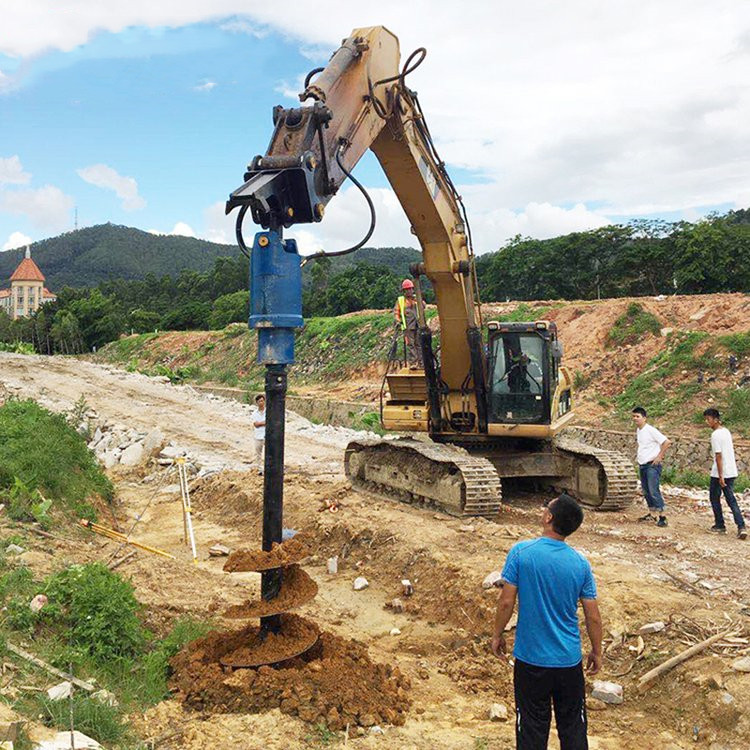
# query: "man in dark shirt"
(550, 578)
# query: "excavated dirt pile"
(334, 682)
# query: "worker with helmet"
(407, 320)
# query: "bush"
(737, 343)
(46, 455)
(632, 326)
(229, 308)
(99, 609)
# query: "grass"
(93, 623)
(368, 421)
(43, 458)
(632, 326)
(322, 736)
(648, 389)
(737, 412)
(698, 479)
(581, 380)
(524, 313)
(737, 343)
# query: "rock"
(498, 712)
(609, 692)
(37, 603)
(397, 605)
(360, 583)
(466, 528)
(377, 729)
(367, 720)
(106, 698)
(79, 741)
(153, 442)
(407, 587)
(666, 331)
(652, 627)
(110, 459)
(61, 691)
(14, 549)
(333, 565)
(171, 451)
(742, 664)
(219, 550)
(699, 315)
(594, 704)
(395, 631)
(287, 534)
(493, 579)
(97, 437)
(133, 455)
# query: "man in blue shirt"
(549, 578)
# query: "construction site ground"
(692, 580)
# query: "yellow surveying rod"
(119, 537)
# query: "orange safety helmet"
(407, 284)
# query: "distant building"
(27, 292)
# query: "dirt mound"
(297, 588)
(229, 496)
(334, 683)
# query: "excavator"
(488, 406)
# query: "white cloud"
(219, 227)
(182, 229)
(11, 172)
(243, 26)
(629, 107)
(205, 86)
(16, 240)
(46, 207)
(126, 188)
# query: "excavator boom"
(489, 412)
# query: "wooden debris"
(669, 664)
(120, 561)
(49, 668)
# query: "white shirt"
(259, 416)
(721, 442)
(649, 443)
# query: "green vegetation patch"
(737, 343)
(632, 326)
(524, 314)
(43, 458)
(648, 389)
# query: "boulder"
(60, 692)
(493, 579)
(133, 455)
(498, 712)
(153, 442)
(609, 692)
(109, 459)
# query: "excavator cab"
(524, 363)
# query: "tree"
(230, 308)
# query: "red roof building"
(27, 291)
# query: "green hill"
(86, 257)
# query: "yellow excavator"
(491, 404)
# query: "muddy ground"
(443, 644)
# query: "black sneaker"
(742, 533)
(647, 517)
(719, 529)
(662, 521)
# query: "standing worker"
(652, 446)
(405, 314)
(723, 474)
(259, 429)
(550, 578)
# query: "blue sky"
(550, 119)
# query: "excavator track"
(441, 476)
(619, 485)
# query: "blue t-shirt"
(551, 577)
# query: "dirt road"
(443, 645)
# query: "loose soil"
(334, 683)
(443, 646)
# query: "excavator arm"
(361, 101)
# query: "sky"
(551, 117)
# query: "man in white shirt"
(259, 429)
(652, 445)
(723, 474)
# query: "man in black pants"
(550, 578)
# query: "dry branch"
(669, 664)
(49, 668)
